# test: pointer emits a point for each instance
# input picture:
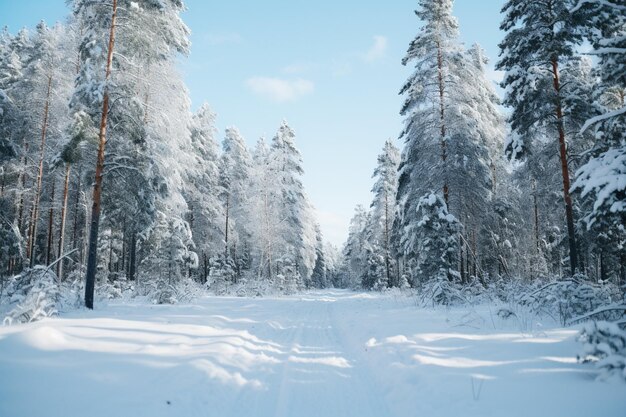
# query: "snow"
(325, 353)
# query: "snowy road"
(330, 353)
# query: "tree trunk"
(444, 145)
(33, 224)
(4, 180)
(132, 256)
(50, 226)
(387, 242)
(66, 186)
(122, 266)
(77, 208)
(536, 210)
(227, 226)
(569, 211)
(21, 181)
(90, 279)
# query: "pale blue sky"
(330, 68)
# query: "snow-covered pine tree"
(540, 41)
(601, 179)
(264, 202)
(437, 241)
(235, 165)
(354, 254)
(296, 238)
(206, 216)
(475, 153)
(452, 128)
(430, 93)
(383, 210)
(153, 33)
(319, 275)
(10, 72)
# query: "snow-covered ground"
(327, 353)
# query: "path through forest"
(326, 353)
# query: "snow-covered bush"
(254, 288)
(565, 300)
(162, 292)
(440, 291)
(605, 346)
(32, 295)
(222, 274)
(115, 289)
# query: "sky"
(331, 68)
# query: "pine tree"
(600, 180)
(206, 215)
(430, 91)
(319, 277)
(296, 238)
(355, 262)
(452, 130)
(235, 168)
(383, 209)
(437, 241)
(154, 33)
(540, 41)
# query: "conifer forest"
(156, 262)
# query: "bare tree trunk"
(122, 266)
(461, 258)
(569, 211)
(4, 180)
(21, 182)
(90, 279)
(132, 256)
(227, 226)
(35, 212)
(66, 186)
(77, 208)
(536, 210)
(50, 225)
(387, 251)
(444, 144)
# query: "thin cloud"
(280, 90)
(295, 69)
(341, 69)
(377, 50)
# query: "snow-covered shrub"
(115, 289)
(605, 346)
(440, 291)
(511, 291)
(162, 292)
(565, 300)
(288, 280)
(375, 274)
(221, 276)
(33, 295)
(254, 288)
(474, 291)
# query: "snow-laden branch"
(606, 3)
(606, 51)
(601, 118)
(598, 311)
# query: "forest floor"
(326, 353)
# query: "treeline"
(478, 197)
(103, 164)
